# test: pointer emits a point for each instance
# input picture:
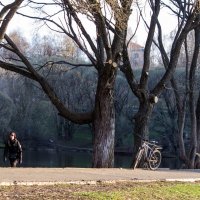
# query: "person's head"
(12, 135)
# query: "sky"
(26, 26)
(167, 21)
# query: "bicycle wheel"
(138, 158)
(154, 160)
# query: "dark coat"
(13, 150)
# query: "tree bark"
(141, 127)
(6, 14)
(192, 102)
(197, 161)
(104, 121)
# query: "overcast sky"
(27, 26)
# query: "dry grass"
(101, 191)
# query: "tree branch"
(80, 118)
(12, 10)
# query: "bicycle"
(150, 152)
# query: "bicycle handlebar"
(152, 144)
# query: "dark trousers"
(14, 162)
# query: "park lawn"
(102, 191)
(153, 191)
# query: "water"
(51, 158)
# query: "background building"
(136, 53)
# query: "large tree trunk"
(192, 100)
(104, 122)
(198, 123)
(180, 139)
(141, 125)
(197, 161)
(193, 138)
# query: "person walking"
(13, 150)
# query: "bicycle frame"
(149, 148)
(147, 151)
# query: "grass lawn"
(154, 191)
(101, 191)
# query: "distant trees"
(188, 17)
(106, 49)
(188, 20)
(110, 20)
(44, 123)
(35, 119)
(187, 104)
(6, 110)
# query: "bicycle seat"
(153, 141)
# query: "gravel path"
(48, 176)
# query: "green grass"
(154, 191)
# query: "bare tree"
(110, 19)
(149, 96)
(188, 11)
